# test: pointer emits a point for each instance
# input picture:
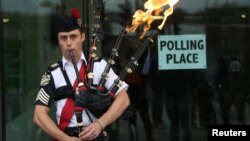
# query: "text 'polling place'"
(181, 52)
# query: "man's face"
(71, 41)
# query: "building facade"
(27, 46)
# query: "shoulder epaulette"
(54, 66)
(98, 59)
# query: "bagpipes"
(98, 100)
(92, 97)
(95, 98)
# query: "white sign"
(182, 52)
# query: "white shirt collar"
(64, 61)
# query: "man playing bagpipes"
(77, 102)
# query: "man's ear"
(83, 37)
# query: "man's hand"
(91, 132)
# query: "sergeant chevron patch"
(43, 97)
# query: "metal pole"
(2, 96)
(85, 14)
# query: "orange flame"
(155, 7)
